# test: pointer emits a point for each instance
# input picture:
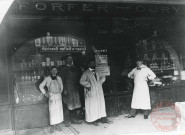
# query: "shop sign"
(93, 8)
(60, 44)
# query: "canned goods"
(43, 64)
(52, 63)
(47, 63)
(47, 59)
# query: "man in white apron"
(141, 96)
(55, 88)
(94, 97)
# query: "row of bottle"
(24, 64)
(28, 64)
(50, 41)
(52, 63)
(27, 76)
(156, 67)
(154, 57)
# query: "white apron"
(55, 103)
(94, 98)
(141, 95)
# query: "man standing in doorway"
(141, 96)
(94, 97)
(71, 98)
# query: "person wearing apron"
(141, 95)
(71, 97)
(55, 88)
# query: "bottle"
(21, 65)
(63, 62)
(43, 64)
(29, 76)
(24, 63)
(48, 63)
(29, 64)
(22, 76)
(58, 63)
(33, 63)
(52, 63)
(49, 39)
(26, 76)
(35, 75)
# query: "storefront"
(37, 34)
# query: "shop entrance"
(115, 27)
(29, 62)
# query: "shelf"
(26, 69)
(165, 72)
(31, 68)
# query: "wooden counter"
(118, 103)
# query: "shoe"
(130, 116)
(66, 124)
(95, 123)
(106, 121)
(145, 116)
(58, 128)
(52, 129)
(76, 122)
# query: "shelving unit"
(158, 55)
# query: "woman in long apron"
(55, 88)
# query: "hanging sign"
(103, 70)
(60, 44)
(101, 60)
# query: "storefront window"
(161, 57)
(33, 58)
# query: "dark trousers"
(69, 115)
(133, 112)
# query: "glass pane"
(26, 73)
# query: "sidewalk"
(120, 126)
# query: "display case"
(161, 57)
(27, 71)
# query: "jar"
(48, 63)
(63, 62)
(47, 59)
(21, 65)
(29, 64)
(43, 64)
(58, 62)
(52, 63)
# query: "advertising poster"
(101, 60)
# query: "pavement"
(120, 126)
